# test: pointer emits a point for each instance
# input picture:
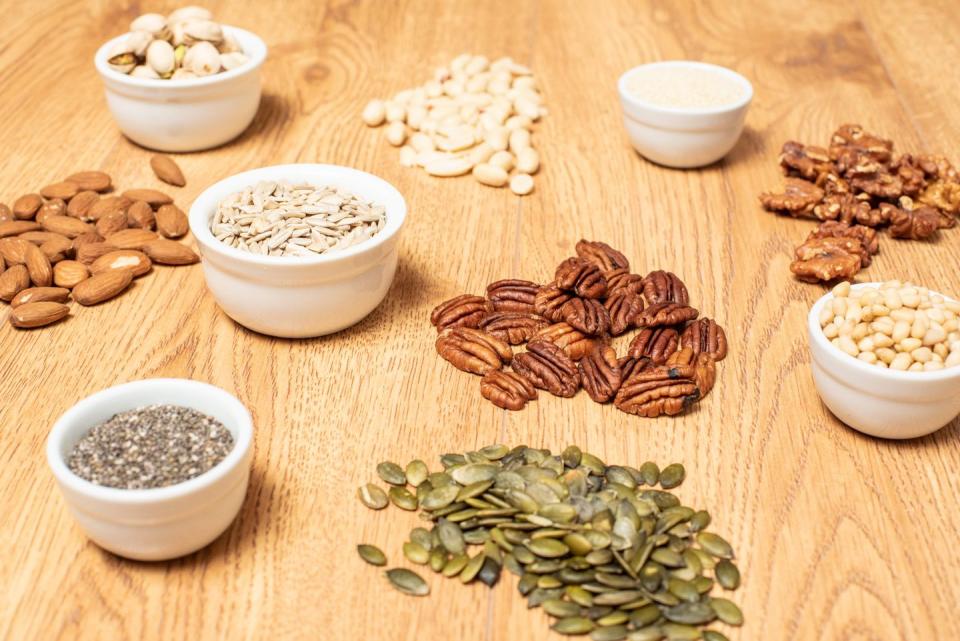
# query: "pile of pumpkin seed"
(599, 547)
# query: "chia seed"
(150, 447)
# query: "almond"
(169, 252)
(64, 190)
(141, 215)
(55, 207)
(25, 207)
(69, 227)
(92, 180)
(102, 286)
(40, 295)
(108, 205)
(83, 239)
(40, 237)
(37, 314)
(5, 213)
(14, 250)
(131, 238)
(69, 273)
(89, 252)
(171, 221)
(17, 227)
(113, 222)
(137, 262)
(3, 263)
(38, 266)
(56, 250)
(81, 204)
(152, 197)
(13, 281)
(167, 170)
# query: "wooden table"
(839, 536)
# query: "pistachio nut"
(203, 59)
(121, 57)
(203, 30)
(192, 12)
(232, 60)
(153, 23)
(182, 74)
(229, 44)
(178, 35)
(138, 41)
(160, 57)
(143, 71)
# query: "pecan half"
(581, 276)
(798, 198)
(660, 314)
(623, 307)
(600, 373)
(827, 259)
(602, 255)
(869, 242)
(513, 327)
(664, 287)
(917, 224)
(705, 374)
(630, 365)
(512, 295)
(548, 368)
(621, 280)
(683, 356)
(575, 343)
(461, 311)
(806, 161)
(657, 344)
(549, 302)
(705, 336)
(472, 350)
(508, 390)
(587, 315)
(661, 390)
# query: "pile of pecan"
(568, 326)
(854, 187)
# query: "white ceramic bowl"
(684, 137)
(166, 522)
(186, 115)
(296, 297)
(880, 402)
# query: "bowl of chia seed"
(153, 469)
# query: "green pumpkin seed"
(494, 452)
(592, 463)
(579, 596)
(440, 497)
(618, 581)
(549, 582)
(690, 613)
(558, 512)
(683, 590)
(422, 537)
(526, 584)
(451, 537)
(372, 496)
(571, 456)
(560, 609)
(474, 473)
(512, 565)
(472, 568)
(703, 584)
(599, 540)
(650, 577)
(618, 597)
(618, 474)
(715, 545)
(680, 632)
(476, 537)
(408, 582)
(438, 559)
(548, 548)
(572, 625)
(402, 498)
(371, 554)
(416, 472)
(650, 473)
(713, 635)
(611, 633)
(578, 543)
(672, 476)
(727, 611)
(391, 473)
(489, 571)
(644, 616)
(651, 633)
(450, 460)
(539, 595)
(415, 553)
(616, 617)
(524, 555)
(728, 575)
(667, 557)
(699, 521)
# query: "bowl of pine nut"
(886, 357)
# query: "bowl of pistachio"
(182, 82)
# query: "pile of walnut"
(73, 240)
(567, 326)
(855, 187)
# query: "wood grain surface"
(839, 536)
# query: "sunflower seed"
(391, 473)
(408, 582)
(372, 496)
(371, 554)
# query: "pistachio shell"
(143, 71)
(232, 60)
(149, 22)
(138, 41)
(178, 35)
(203, 59)
(203, 30)
(160, 57)
(182, 74)
(229, 44)
(191, 12)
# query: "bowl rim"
(257, 57)
(205, 203)
(740, 79)
(213, 476)
(815, 332)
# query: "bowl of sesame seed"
(153, 469)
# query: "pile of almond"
(79, 239)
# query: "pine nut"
(528, 160)
(491, 175)
(901, 362)
(519, 139)
(396, 133)
(848, 346)
(922, 354)
(446, 167)
(502, 159)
